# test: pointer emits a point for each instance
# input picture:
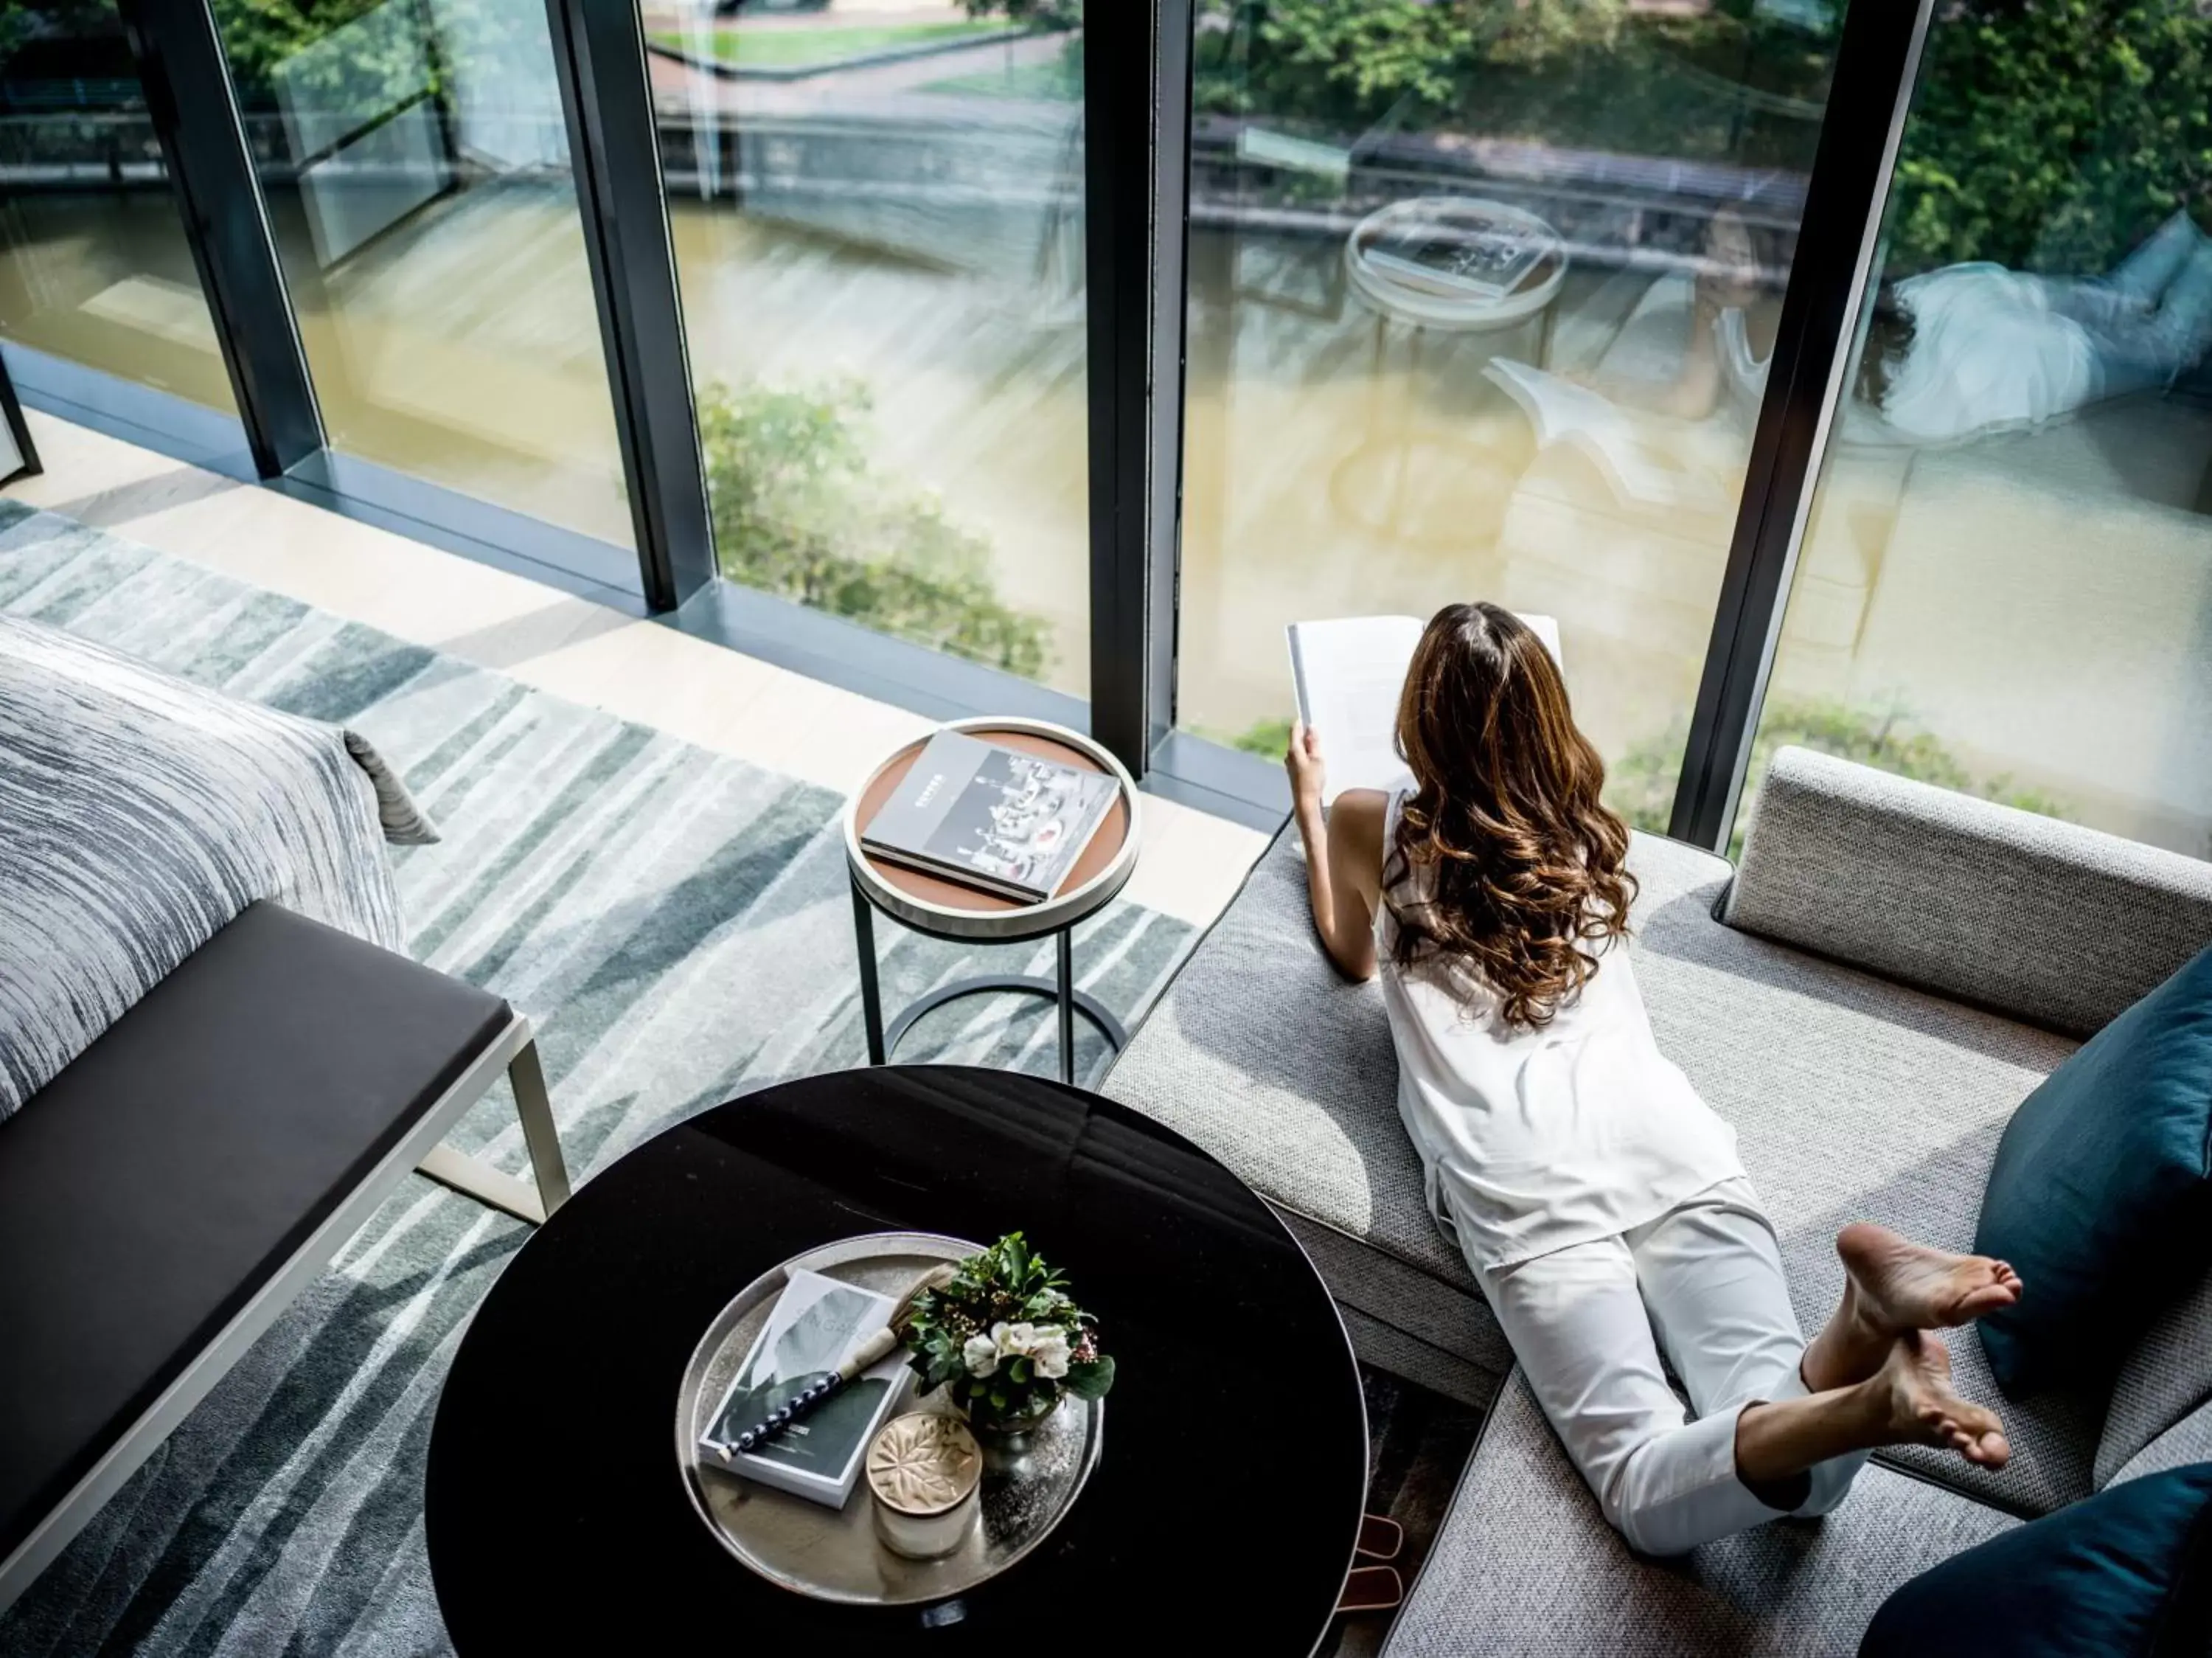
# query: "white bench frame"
(515, 1050)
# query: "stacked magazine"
(816, 1325)
(1467, 255)
(1000, 819)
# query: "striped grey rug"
(678, 923)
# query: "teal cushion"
(2101, 1197)
(2126, 1574)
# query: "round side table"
(1221, 1517)
(948, 910)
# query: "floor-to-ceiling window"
(878, 216)
(416, 163)
(94, 264)
(2006, 584)
(1479, 296)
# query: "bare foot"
(1914, 1388)
(1897, 1285)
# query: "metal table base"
(884, 1039)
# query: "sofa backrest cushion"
(2166, 1382)
(2188, 1441)
(2046, 920)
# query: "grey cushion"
(2168, 1376)
(2046, 920)
(2188, 1441)
(1451, 1316)
(1262, 1053)
(1386, 1347)
(1525, 1564)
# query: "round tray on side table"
(832, 1554)
(946, 908)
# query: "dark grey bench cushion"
(1525, 1564)
(172, 1168)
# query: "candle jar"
(924, 1472)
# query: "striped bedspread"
(139, 813)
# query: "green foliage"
(2052, 135)
(75, 21)
(2046, 135)
(799, 512)
(1642, 786)
(1009, 1284)
(1269, 737)
(400, 49)
(1371, 52)
(1037, 14)
(1592, 74)
(801, 48)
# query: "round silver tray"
(832, 1554)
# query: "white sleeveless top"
(1536, 1139)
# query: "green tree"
(1037, 14)
(2052, 135)
(798, 511)
(1642, 785)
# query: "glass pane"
(1481, 296)
(2006, 585)
(878, 225)
(94, 265)
(416, 165)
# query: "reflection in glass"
(1479, 296)
(416, 165)
(878, 220)
(94, 265)
(2006, 584)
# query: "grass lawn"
(1056, 80)
(797, 48)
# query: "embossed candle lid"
(924, 1463)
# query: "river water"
(1338, 461)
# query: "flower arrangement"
(1006, 1336)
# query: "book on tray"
(1000, 819)
(815, 1325)
(1347, 674)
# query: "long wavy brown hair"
(1519, 866)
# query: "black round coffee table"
(1221, 1518)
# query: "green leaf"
(1091, 1379)
(1018, 1371)
(998, 1398)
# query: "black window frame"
(1137, 122)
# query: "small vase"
(1007, 1438)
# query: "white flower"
(1049, 1354)
(1014, 1340)
(980, 1354)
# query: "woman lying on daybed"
(1598, 1200)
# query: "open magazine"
(1347, 673)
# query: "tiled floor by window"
(703, 693)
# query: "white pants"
(1704, 1284)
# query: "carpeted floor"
(678, 923)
